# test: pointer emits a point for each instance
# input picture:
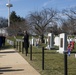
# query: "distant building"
(3, 31)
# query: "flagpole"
(9, 5)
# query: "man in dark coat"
(26, 41)
(1, 41)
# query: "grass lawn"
(54, 62)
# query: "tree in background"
(71, 19)
(3, 22)
(15, 18)
(40, 21)
(17, 25)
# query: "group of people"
(26, 43)
(70, 46)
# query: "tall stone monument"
(32, 41)
(63, 43)
(50, 41)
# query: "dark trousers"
(26, 50)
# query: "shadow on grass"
(73, 52)
(44, 52)
(6, 47)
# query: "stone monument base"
(48, 47)
(60, 51)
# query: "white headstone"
(57, 41)
(50, 41)
(32, 41)
(75, 55)
(45, 41)
(63, 43)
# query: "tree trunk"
(42, 38)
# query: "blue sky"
(24, 7)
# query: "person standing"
(26, 41)
(1, 41)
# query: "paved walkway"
(12, 63)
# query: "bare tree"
(17, 28)
(71, 19)
(3, 22)
(40, 21)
